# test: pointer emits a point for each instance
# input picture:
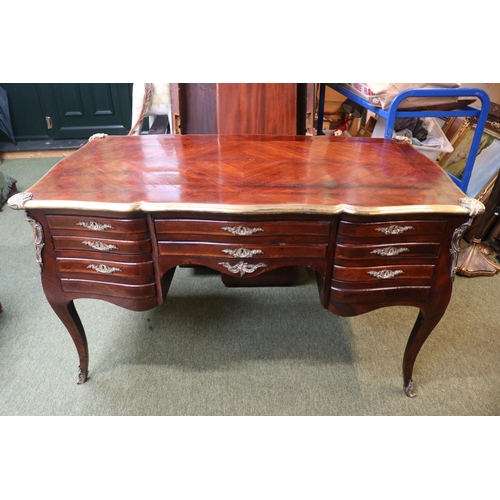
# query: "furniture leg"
(427, 320)
(68, 315)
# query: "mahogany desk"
(377, 221)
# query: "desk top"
(247, 174)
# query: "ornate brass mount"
(385, 274)
(99, 245)
(389, 251)
(95, 226)
(242, 253)
(104, 269)
(394, 229)
(242, 268)
(242, 230)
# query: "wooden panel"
(197, 107)
(257, 108)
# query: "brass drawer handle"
(242, 253)
(391, 230)
(99, 245)
(104, 269)
(385, 274)
(95, 226)
(242, 267)
(242, 230)
(389, 251)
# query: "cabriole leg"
(69, 317)
(427, 319)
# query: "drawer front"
(383, 274)
(405, 230)
(386, 252)
(207, 229)
(104, 245)
(106, 289)
(105, 268)
(380, 295)
(98, 225)
(230, 250)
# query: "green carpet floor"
(212, 350)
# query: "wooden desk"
(377, 221)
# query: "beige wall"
(493, 89)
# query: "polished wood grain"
(247, 173)
(373, 218)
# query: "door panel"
(41, 111)
(80, 110)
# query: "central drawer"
(242, 247)
(219, 230)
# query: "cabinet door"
(78, 110)
(42, 111)
(27, 115)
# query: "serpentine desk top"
(231, 174)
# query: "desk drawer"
(105, 268)
(401, 294)
(386, 274)
(402, 230)
(106, 289)
(212, 230)
(98, 225)
(105, 245)
(228, 250)
(382, 253)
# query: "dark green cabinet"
(54, 111)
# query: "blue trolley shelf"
(392, 113)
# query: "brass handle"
(99, 245)
(104, 269)
(385, 274)
(389, 251)
(95, 226)
(394, 230)
(48, 121)
(242, 230)
(242, 268)
(242, 253)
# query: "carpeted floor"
(212, 350)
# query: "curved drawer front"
(105, 245)
(386, 252)
(230, 250)
(394, 230)
(88, 287)
(379, 295)
(212, 230)
(105, 268)
(98, 225)
(383, 274)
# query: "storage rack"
(392, 113)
